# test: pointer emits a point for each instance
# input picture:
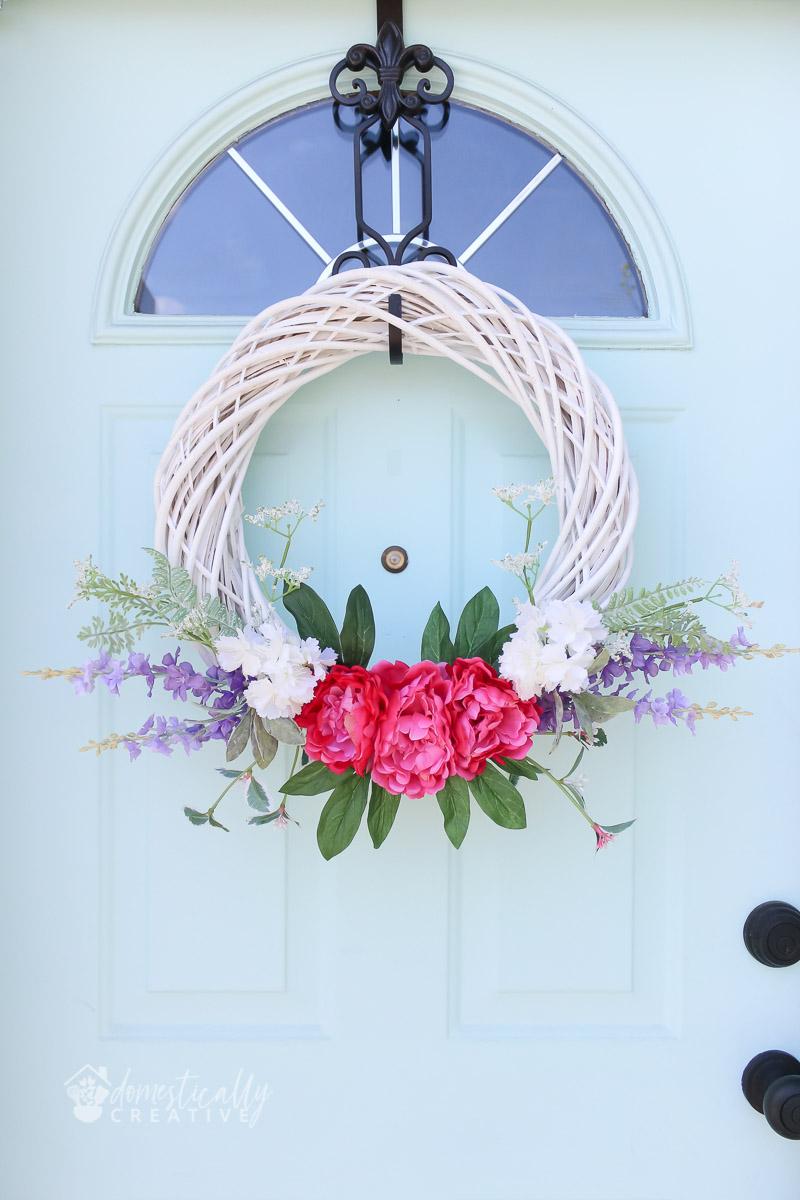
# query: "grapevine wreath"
(461, 723)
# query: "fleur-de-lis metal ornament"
(391, 60)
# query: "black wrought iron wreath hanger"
(391, 60)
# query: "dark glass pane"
(560, 252)
(225, 249)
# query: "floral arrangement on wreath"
(458, 725)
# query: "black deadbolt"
(772, 934)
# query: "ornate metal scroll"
(391, 60)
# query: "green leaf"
(603, 708)
(228, 772)
(341, 816)
(599, 661)
(312, 780)
(358, 631)
(498, 798)
(649, 608)
(490, 650)
(212, 820)
(256, 796)
(477, 624)
(558, 702)
(383, 808)
(313, 617)
(436, 644)
(237, 742)
(176, 581)
(197, 818)
(265, 746)
(116, 635)
(583, 714)
(265, 818)
(617, 828)
(519, 766)
(285, 730)
(454, 803)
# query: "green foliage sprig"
(169, 601)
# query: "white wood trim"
(481, 84)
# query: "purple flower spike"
(663, 709)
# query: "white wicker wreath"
(448, 312)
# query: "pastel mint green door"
(519, 1020)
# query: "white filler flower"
(284, 669)
(553, 646)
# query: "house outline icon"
(99, 1073)
(88, 1089)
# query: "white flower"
(563, 671)
(536, 657)
(618, 645)
(574, 624)
(577, 782)
(537, 493)
(534, 668)
(284, 646)
(83, 567)
(282, 693)
(508, 492)
(576, 675)
(517, 563)
(287, 666)
(731, 578)
(294, 576)
(244, 651)
(521, 664)
(318, 661)
(530, 620)
(544, 490)
(268, 518)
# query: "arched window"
(267, 216)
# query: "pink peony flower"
(413, 749)
(341, 719)
(488, 718)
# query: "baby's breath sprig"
(283, 519)
(524, 566)
(528, 501)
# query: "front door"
(518, 1020)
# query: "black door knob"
(771, 1083)
(772, 934)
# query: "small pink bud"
(603, 837)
